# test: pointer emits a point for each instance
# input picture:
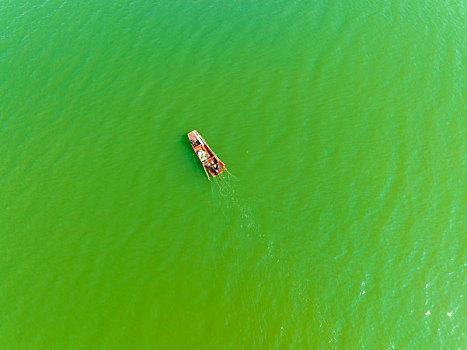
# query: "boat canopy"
(202, 155)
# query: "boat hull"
(212, 165)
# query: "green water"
(341, 226)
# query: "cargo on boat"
(212, 165)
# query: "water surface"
(341, 226)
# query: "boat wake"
(225, 189)
(254, 256)
(239, 238)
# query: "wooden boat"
(212, 165)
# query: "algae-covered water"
(341, 225)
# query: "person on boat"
(215, 168)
